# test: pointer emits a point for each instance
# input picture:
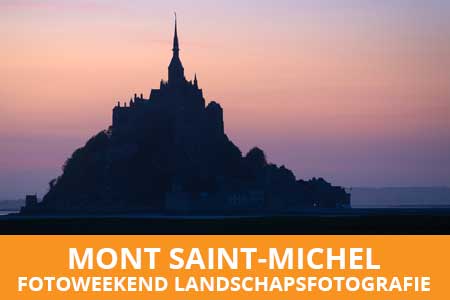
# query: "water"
(7, 212)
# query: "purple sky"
(357, 92)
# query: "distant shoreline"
(361, 198)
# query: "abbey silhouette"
(169, 154)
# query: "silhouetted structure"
(169, 153)
(31, 200)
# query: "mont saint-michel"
(168, 153)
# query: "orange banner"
(225, 267)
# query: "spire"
(195, 80)
(176, 70)
(175, 48)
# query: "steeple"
(176, 70)
(195, 80)
(175, 49)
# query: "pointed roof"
(175, 37)
(176, 70)
(195, 80)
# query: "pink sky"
(355, 91)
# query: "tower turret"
(176, 70)
(195, 81)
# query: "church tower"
(176, 70)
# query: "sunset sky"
(355, 91)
